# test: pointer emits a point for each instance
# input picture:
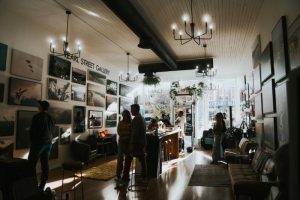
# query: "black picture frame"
(24, 93)
(257, 79)
(78, 76)
(3, 56)
(280, 49)
(24, 118)
(59, 67)
(266, 63)
(294, 43)
(26, 65)
(95, 119)
(268, 97)
(270, 132)
(282, 113)
(125, 90)
(78, 119)
(6, 125)
(258, 107)
(111, 87)
(256, 51)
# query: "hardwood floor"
(170, 185)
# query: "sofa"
(253, 179)
(241, 153)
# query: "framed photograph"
(257, 79)
(294, 43)
(26, 65)
(125, 90)
(96, 77)
(95, 119)
(78, 119)
(7, 122)
(280, 49)
(269, 135)
(268, 97)
(111, 104)
(124, 104)
(258, 107)
(78, 76)
(1, 92)
(78, 93)
(23, 92)
(61, 115)
(3, 56)
(59, 90)
(111, 123)
(64, 135)
(111, 116)
(95, 95)
(259, 131)
(256, 51)
(111, 87)
(282, 113)
(24, 118)
(266, 63)
(59, 67)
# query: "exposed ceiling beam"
(136, 22)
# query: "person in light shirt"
(181, 121)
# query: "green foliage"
(151, 80)
(192, 90)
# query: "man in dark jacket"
(41, 134)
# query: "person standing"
(124, 132)
(41, 135)
(181, 121)
(218, 129)
(137, 145)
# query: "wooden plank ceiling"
(108, 37)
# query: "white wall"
(20, 33)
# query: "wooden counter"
(161, 147)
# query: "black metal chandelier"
(128, 77)
(66, 50)
(205, 71)
(196, 37)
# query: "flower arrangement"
(103, 133)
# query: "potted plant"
(151, 79)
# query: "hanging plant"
(151, 79)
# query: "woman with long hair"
(218, 130)
(124, 132)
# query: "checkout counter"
(162, 145)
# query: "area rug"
(103, 171)
(210, 176)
